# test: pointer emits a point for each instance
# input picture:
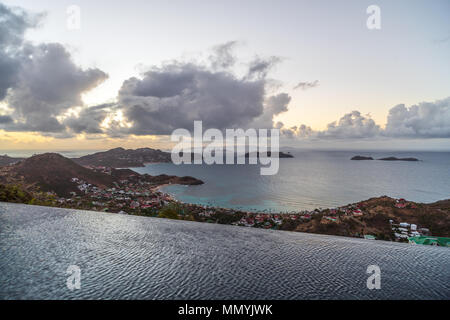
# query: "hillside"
(5, 160)
(124, 158)
(52, 172)
(134, 177)
(281, 155)
(377, 213)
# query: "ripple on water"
(127, 257)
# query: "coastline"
(326, 215)
(319, 179)
(381, 218)
(139, 193)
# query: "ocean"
(131, 257)
(313, 179)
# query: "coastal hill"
(163, 179)
(51, 172)
(377, 215)
(124, 158)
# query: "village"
(135, 196)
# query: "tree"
(171, 211)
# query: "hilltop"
(124, 158)
(51, 172)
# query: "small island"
(398, 159)
(269, 154)
(384, 159)
(361, 158)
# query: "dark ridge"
(269, 154)
(53, 172)
(361, 158)
(398, 159)
(122, 158)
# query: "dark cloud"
(38, 82)
(48, 84)
(273, 106)
(5, 119)
(8, 74)
(306, 85)
(174, 96)
(89, 119)
(223, 57)
(43, 84)
(13, 24)
(259, 68)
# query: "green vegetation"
(149, 212)
(226, 218)
(436, 222)
(13, 193)
(171, 211)
(289, 225)
(17, 194)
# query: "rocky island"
(384, 159)
(361, 158)
(281, 155)
(398, 159)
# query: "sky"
(131, 72)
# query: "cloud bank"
(421, 121)
(38, 82)
(424, 120)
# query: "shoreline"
(268, 211)
(381, 218)
(237, 225)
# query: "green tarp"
(433, 241)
